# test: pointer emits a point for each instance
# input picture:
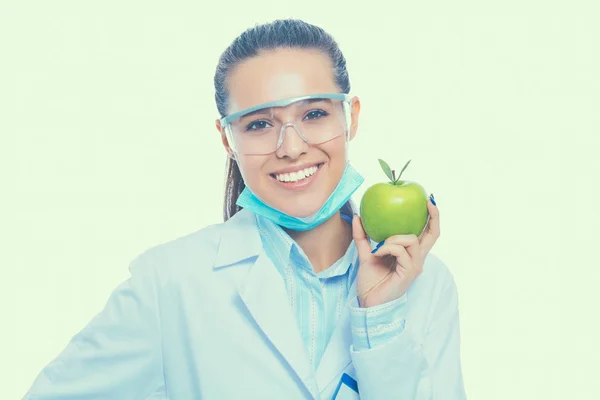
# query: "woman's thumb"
(360, 238)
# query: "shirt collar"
(341, 266)
(281, 248)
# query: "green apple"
(397, 207)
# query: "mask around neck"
(349, 183)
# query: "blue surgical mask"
(349, 183)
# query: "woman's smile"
(297, 178)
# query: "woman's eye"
(314, 114)
(257, 125)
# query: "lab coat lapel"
(264, 294)
(337, 354)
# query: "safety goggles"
(261, 129)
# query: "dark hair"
(287, 33)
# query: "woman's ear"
(355, 109)
(224, 139)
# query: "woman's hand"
(386, 274)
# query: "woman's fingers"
(400, 252)
(410, 242)
(432, 231)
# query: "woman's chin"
(301, 212)
(299, 206)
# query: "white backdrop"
(109, 148)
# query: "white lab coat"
(206, 316)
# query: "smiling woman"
(268, 103)
(288, 295)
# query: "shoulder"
(436, 282)
(437, 270)
(197, 251)
(433, 296)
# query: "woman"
(288, 298)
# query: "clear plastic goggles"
(261, 130)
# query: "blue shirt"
(318, 299)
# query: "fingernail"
(377, 247)
(432, 199)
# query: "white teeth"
(296, 176)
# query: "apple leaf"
(386, 168)
(405, 165)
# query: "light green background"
(108, 147)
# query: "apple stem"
(394, 175)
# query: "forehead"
(279, 74)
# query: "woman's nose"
(293, 144)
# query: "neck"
(326, 243)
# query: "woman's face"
(276, 75)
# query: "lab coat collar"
(239, 239)
(263, 292)
(264, 295)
